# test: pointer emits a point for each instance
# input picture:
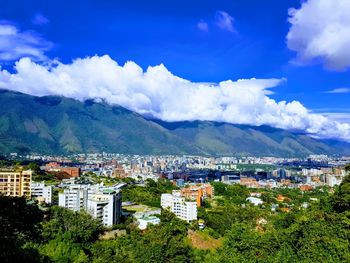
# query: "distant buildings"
(254, 200)
(197, 192)
(305, 187)
(42, 193)
(333, 180)
(102, 203)
(249, 182)
(15, 183)
(184, 210)
(281, 173)
(56, 167)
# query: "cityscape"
(174, 131)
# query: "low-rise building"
(255, 200)
(143, 222)
(249, 182)
(56, 167)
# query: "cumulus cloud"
(203, 26)
(339, 90)
(158, 93)
(224, 21)
(15, 44)
(320, 31)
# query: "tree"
(34, 167)
(79, 227)
(341, 198)
(20, 223)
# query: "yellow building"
(15, 183)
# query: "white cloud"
(320, 31)
(15, 44)
(338, 116)
(203, 26)
(224, 21)
(157, 92)
(40, 19)
(339, 90)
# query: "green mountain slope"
(61, 125)
(55, 125)
(228, 139)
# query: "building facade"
(198, 192)
(182, 209)
(41, 192)
(102, 204)
(105, 207)
(15, 183)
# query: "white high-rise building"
(103, 204)
(182, 209)
(74, 198)
(41, 192)
(105, 207)
(332, 180)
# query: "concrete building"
(15, 183)
(182, 209)
(74, 197)
(197, 192)
(41, 192)
(56, 167)
(254, 200)
(105, 207)
(332, 180)
(103, 204)
(143, 222)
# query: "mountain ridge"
(59, 125)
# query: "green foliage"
(320, 233)
(20, 222)
(341, 197)
(236, 193)
(63, 250)
(149, 194)
(162, 243)
(34, 167)
(79, 227)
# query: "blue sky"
(202, 41)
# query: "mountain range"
(59, 125)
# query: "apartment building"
(101, 203)
(182, 209)
(15, 183)
(197, 192)
(40, 192)
(105, 207)
(74, 197)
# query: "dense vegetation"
(247, 233)
(56, 125)
(148, 194)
